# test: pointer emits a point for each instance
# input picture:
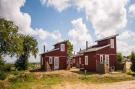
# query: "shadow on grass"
(37, 70)
(132, 74)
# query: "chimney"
(74, 52)
(80, 49)
(86, 44)
(44, 48)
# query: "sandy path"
(118, 85)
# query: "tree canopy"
(119, 57)
(133, 61)
(12, 43)
(70, 49)
(29, 48)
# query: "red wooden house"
(56, 58)
(98, 58)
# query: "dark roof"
(61, 42)
(97, 48)
(50, 51)
(91, 50)
(107, 38)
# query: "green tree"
(133, 61)
(29, 48)
(119, 57)
(69, 52)
(10, 43)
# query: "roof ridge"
(107, 37)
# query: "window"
(112, 43)
(79, 60)
(73, 60)
(62, 47)
(50, 60)
(107, 59)
(101, 59)
(86, 60)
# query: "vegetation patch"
(48, 80)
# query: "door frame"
(56, 63)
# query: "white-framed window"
(79, 60)
(73, 60)
(62, 47)
(50, 60)
(107, 59)
(101, 59)
(112, 43)
(86, 60)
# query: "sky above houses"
(51, 21)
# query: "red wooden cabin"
(102, 53)
(56, 58)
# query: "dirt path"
(118, 85)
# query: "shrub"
(119, 57)
(3, 75)
(21, 63)
(7, 67)
(133, 61)
(23, 77)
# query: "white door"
(56, 63)
(107, 59)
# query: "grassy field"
(48, 80)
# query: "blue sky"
(51, 21)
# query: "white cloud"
(59, 5)
(43, 34)
(124, 42)
(106, 16)
(79, 34)
(10, 9)
(125, 48)
(132, 9)
(127, 35)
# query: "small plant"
(3, 75)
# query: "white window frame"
(50, 60)
(112, 43)
(62, 47)
(101, 59)
(86, 60)
(56, 63)
(79, 60)
(107, 59)
(74, 60)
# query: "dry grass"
(65, 79)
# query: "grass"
(47, 80)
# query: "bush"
(133, 61)
(3, 75)
(119, 57)
(23, 77)
(22, 63)
(7, 67)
